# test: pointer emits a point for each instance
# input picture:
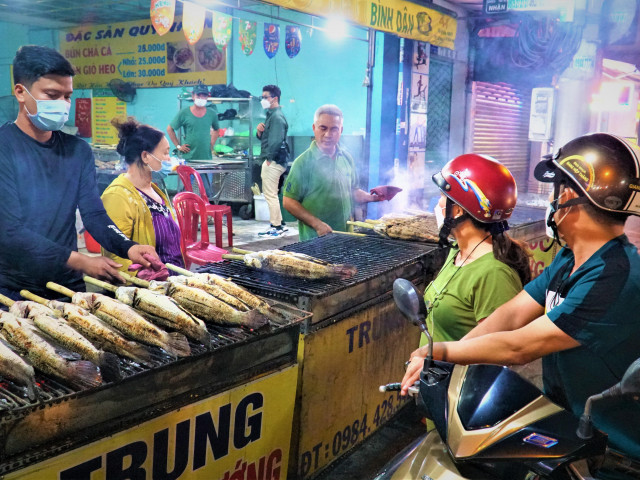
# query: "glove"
(156, 271)
(385, 192)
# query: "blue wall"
(325, 71)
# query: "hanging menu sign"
(104, 109)
(134, 52)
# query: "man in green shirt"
(322, 185)
(199, 126)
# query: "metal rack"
(233, 184)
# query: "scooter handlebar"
(395, 387)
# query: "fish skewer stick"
(127, 320)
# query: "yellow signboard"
(344, 364)
(241, 433)
(132, 51)
(105, 109)
(405, 19)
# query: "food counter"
(356, 340)
(233, 399)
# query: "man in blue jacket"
(46, 176)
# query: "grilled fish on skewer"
(22, 308)
(211, 289)
(208, 307)
(293, 264)
(159, 309)
(23, 334)
(61, 331)
(101, 334)
(127, 320)
(13, 367)
(421, 228)
(213, 281)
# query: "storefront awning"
(401, 18)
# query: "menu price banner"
(105, 109)
(134, 52)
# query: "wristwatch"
(178, 147)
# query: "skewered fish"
(208, 307)
(293, 264)
(164, 311)
(45, 356)
(127, 320)
(13, 367)
(211, 283)
(101, 334)
(421, 228)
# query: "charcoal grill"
(379, 261)
(63, 418)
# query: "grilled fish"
(68, 337)
(422, 228)
(131, 323)
(13, 367)
(211, 289)
(210, 308)
(26, 308)
(297, 265)
(45, 356)
(101, 334)
(164, 311)
(211, 281)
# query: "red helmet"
(479, 184)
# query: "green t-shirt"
(459, 300)
(197, 132)
(324, 186)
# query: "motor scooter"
(490, 423)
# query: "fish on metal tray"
(165, 311)
(45, 355)
(131, 323)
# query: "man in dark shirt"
(46, 175)
(271, 134)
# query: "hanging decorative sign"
(83, 116)
(271, 40)
(292, 41)
(221, 29)
(162, 13)
(192, 21)
(247, 36)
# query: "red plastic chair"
(216, 211)
(191, 212)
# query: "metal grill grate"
(373, 256)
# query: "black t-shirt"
(41, 185)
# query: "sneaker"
(272, 232)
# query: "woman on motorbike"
(485, 267)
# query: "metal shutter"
(439, 111)
(500, 122)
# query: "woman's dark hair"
(509, 251)
(33, 61)
(135, 138)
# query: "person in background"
(138, 207)
(322, 185)
(271, 134)
(485, 267)
(46, 176)
(580, 315)
(199, 125)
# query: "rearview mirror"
(409, 302)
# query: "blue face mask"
(52, 114)
(166, 167)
